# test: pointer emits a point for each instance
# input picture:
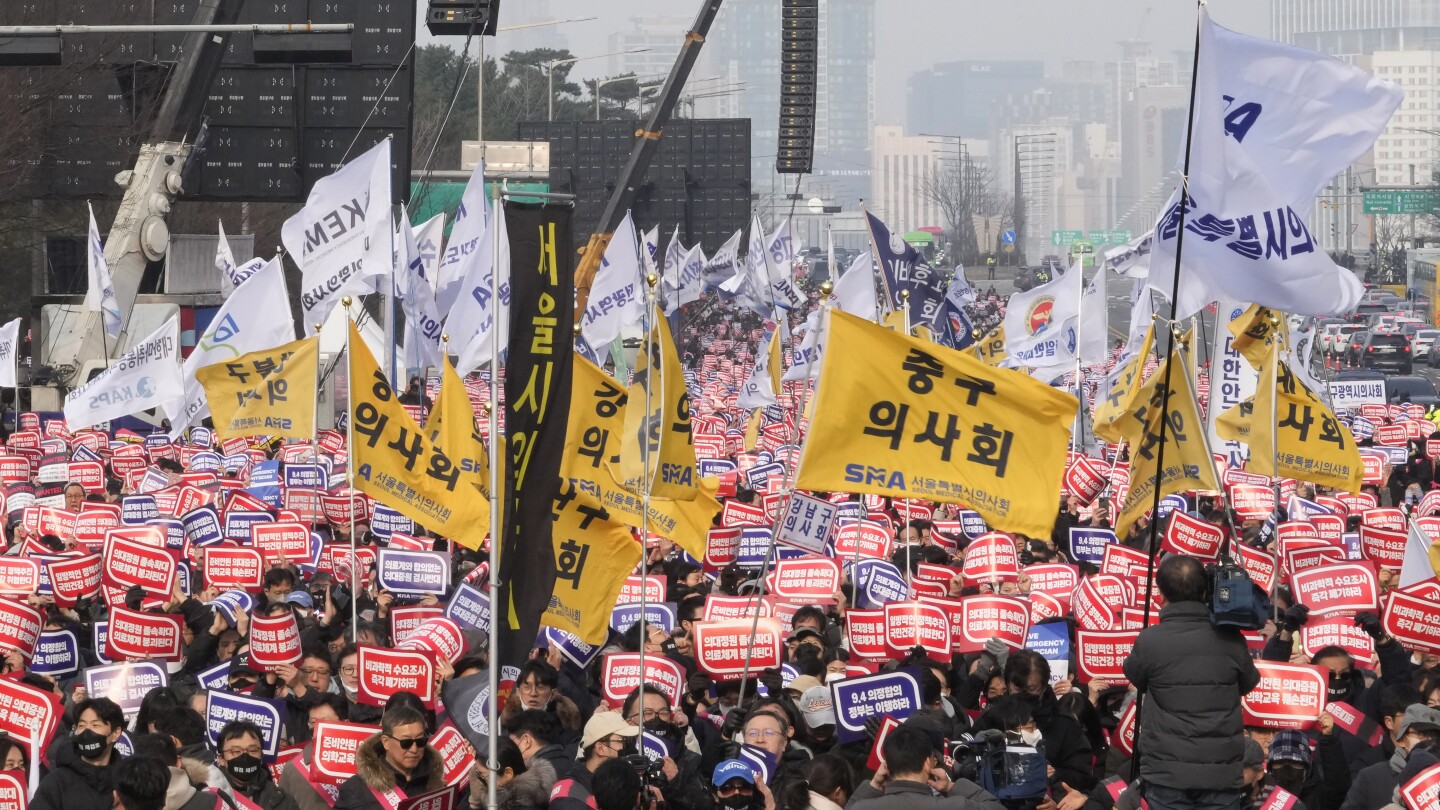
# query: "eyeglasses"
(324, 673)
(650, 714)
(762, 734)
(740, 789)
(350, 669)
(410, 743)
(535, 688)
(614, 742)
(231, 753)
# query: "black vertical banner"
(537, 407)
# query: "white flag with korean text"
(147, 376)
(467, 246)
(476, 312)
(100, 295)
(9, 354)
(616, 304)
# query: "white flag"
(1415, 566)
(9, 354)
(147, 376)
(224, 261)
(688, 281)
(855, 291)
(1273, 124)
(100, 297)
(429, 236)
(341, 238)
(616, 295)
(759, 390)
(651, 244)
(1094, 320)
(467, 246)
(725, 263)
(1040, 323)
(805, 359)
(1131, 259)
(779, 276)
(749, 285)
(1232, 380)
(422, 319)
(475, 313)
(255, 317)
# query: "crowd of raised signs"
(185, 630)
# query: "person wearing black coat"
(388, 764)
(1067, 749)
(82, 772)
(1191, 675)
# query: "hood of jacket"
(529, 789)
(179, 791)
(370, 764)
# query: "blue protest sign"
(878, 582)
(202, 436)
(57, 654)
(660, 614)
(182, 578)
(174, 530)
(238, 523)
(265, 482)
(972, 524)
(205, 462)
(571, 647)
(1170, 503)
(413, 572)
(224, 707)
(849, 510)
(305, 476)
(470, 607)
(125, 746)
(100, 633)
(1052, 641)
(755, 542)
(202, 526)
(895, 694)
(760, 476)
(654, 747)
(138, 509)
(230, 601)
(1088, 543)
(216, 677)
(126, 684)
(714, 467)
(761, 762)
(235, 462)
(385, 522)
(1353, 549)
(83, 453)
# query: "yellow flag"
(990, 349)
(593, 555)
(775, 366)
(267, 393)
(451, 427)
(899, 416)
(1124, 391)
(597, 419)
(685, 523)
(659, 383)
(1253, 330)
(1309, 443)
(1188, 464)
(752, 429)
(393, 462)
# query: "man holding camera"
(606, 737)
(1191, 675)
(912, 777)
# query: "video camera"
(1010, 771)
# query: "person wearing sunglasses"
(394, 765)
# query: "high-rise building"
(1410, 145)
(903, 165)
(1352, 28)
(744, 52)
(655, 41)
(1152, 135)
(956, 98)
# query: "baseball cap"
(816, 704)
(732, 769)
(241, 663)
(300, 598)
(602, 725)
(1419, 718)
(806, 632)
(1254, 754)
(803, 683)
(1290, 745)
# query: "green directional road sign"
(1098, 238)
(1065, 238)
(1402, 201)
(1119, 237)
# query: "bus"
(1083, 251)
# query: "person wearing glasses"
(607, 737)
(242, 758)
(684, 785)
(394, 765)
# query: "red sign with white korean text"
(1413, 621)
(228, 567)
(1384, 517)
(1084, 481)
(455, 752)
(1187, 534)
(866, 629)
(290, 541)
(88, 474)
(630, 592)
(1092, 611)
(721, 647)
(1338, 632)
(1289, 696)
(985, 617)
(1302, 559)
(620, 675)
(1384, 547)
(440, 636)
(274, 640)
(722, 608)
(129, 563)
(1124, 562)
(1055, 579)
(1372, 469)
(384, 672)
(95, 522)
(28, 713)
(336, 748)
(136, 635)
(19, 576)
(409, 619)
(991, 558)
(917, 624)
(339, 509)
(1252, 502)
(805, 577)
(73, 579)
(863, 538)
(14, 469)
(20, 627)
(1260, 565)
(1330, 528)
(1336, 588)
(736, 513)
(1391, 435)
(1124, 736)
(1422, 792)
(1101, 654)
(722, 545)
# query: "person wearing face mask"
(683, 788)
(1067, 749)
(1374, 786)
(394, 765)
(606, 737)
(1288, 769)
(82, 773)
(912, 778)
(242, 758)
(734, 787)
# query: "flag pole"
(1169, 367)
(356, 575)
(1079, 426)
(315, 426)
(651, 375)
(493, 587)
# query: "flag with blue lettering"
(1041, 323)
(1272, 125)
(475, 312)
(903, 268)
(724, 264)
(422, 318)
(468, 245)
(955, 328)
(225, 261)
(616, 305)
(100, 296)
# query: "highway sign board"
(1064, 238)
(1401, 201)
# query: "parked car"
(1386, 351)
(1413, 389)
(1423, 342)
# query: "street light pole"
(554, 63)
(480, 76)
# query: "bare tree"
(962, 191)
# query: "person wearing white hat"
(606, 736)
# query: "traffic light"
(799, 51)
(462, 17)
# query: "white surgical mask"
(831, 677)
(1031, 738)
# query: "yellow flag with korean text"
(657, 420)
(1253, 331)
(265, 393)
(989, 349)
(594, 553)
(902, 417)
(597, 419)
(1123, 393)
(451, 427)
(1188, 464)
(393, 462)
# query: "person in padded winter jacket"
(394, 765)
(82, 773)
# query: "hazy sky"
(912, 34)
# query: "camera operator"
(912, 778)
(1192, 675)
(680, 782)
(606, 738)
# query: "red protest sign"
(14, 469)
(1124, 562)
(991, 558)
(336, 747)
(917, 624)
(1044, 606)
(1092, 611)
(28, 713)
(290, 541)
(95, 522)
(1356, 722)
(20, 627)
(456, 755)
(384, 672)
(129, 563)
(721, 647)
(409, 619)
(1187, 534)
(56, 521)
(1341, 632)
(1330, 528)
(736, 513)
(722, 545)
(1301, 559)
(985, 617)
(1422, 792)
(866, 629)
(19, 576)
(723, 608)
(1372, 469)
(438, 635)
(74, 579)
(1102, 654)
(863, 538)
(88, 474)
(228, 567)
(636, 589)
(1336, 588)
(136, 635)
(805, 577)
(1413, 621)
(1289, 696)
(1384, 517)
(1384, 547)
(274, 641)
(1260, 565)
(1124, 736)
(1055, 579)
(1084, 481)
(1252, 502)
(340, 509)
(620, 675)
